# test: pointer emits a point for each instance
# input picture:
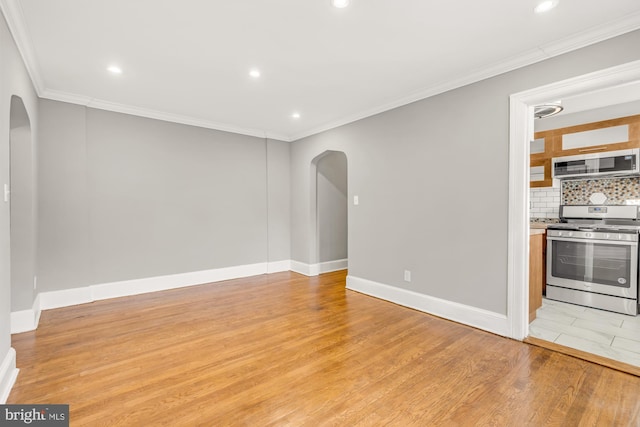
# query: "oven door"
(602, 266)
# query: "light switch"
(407, 276)
(356, 201)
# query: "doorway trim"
(520, 133)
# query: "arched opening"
(329, 212)
(22, 211)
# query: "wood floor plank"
(285, 349)
(614, 364)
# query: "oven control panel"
(594, 235)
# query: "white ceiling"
(188, 61)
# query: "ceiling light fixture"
(340, 4)
(547, 110)
(296, 115)
(545, 6)
(255, 73)
(114, 69)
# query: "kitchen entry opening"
(329, 210)
(521, 134)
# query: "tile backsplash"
(545, 203)
(614, 191)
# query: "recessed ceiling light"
(545, 6)
(340, 3)
(255, 73)
(296, 115)
(114, 69)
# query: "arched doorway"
(329, 212)
(22, 207)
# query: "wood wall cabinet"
(537, 272)
(566, 141)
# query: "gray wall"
(14, 80)
(124, 197)
(432, 179)
(145, 198)
(332, 207)
(279, 214)
(22, 234)
(63, 229)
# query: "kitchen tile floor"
(612, 335)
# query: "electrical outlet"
(407, 276)
(356, 200)
(35, 282)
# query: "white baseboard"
(319, 268)
(478, 318)
(23, 321)
(174, 281)
(27, 320)
(278, 266)
(8, 374)
(329, 266)
(65, 298)
(301, 268)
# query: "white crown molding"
(14, 16)
(101, 104)
(543, 52)
(594, 35)
(511, 64)
(16, 22)
(478, 318)
(56, 95)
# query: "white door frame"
(521, 132)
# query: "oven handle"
(608, 242)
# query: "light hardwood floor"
(285, 349)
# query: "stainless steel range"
(592, 257)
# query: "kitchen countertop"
(536, 230)
(538, 225)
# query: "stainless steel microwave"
(623, 162)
